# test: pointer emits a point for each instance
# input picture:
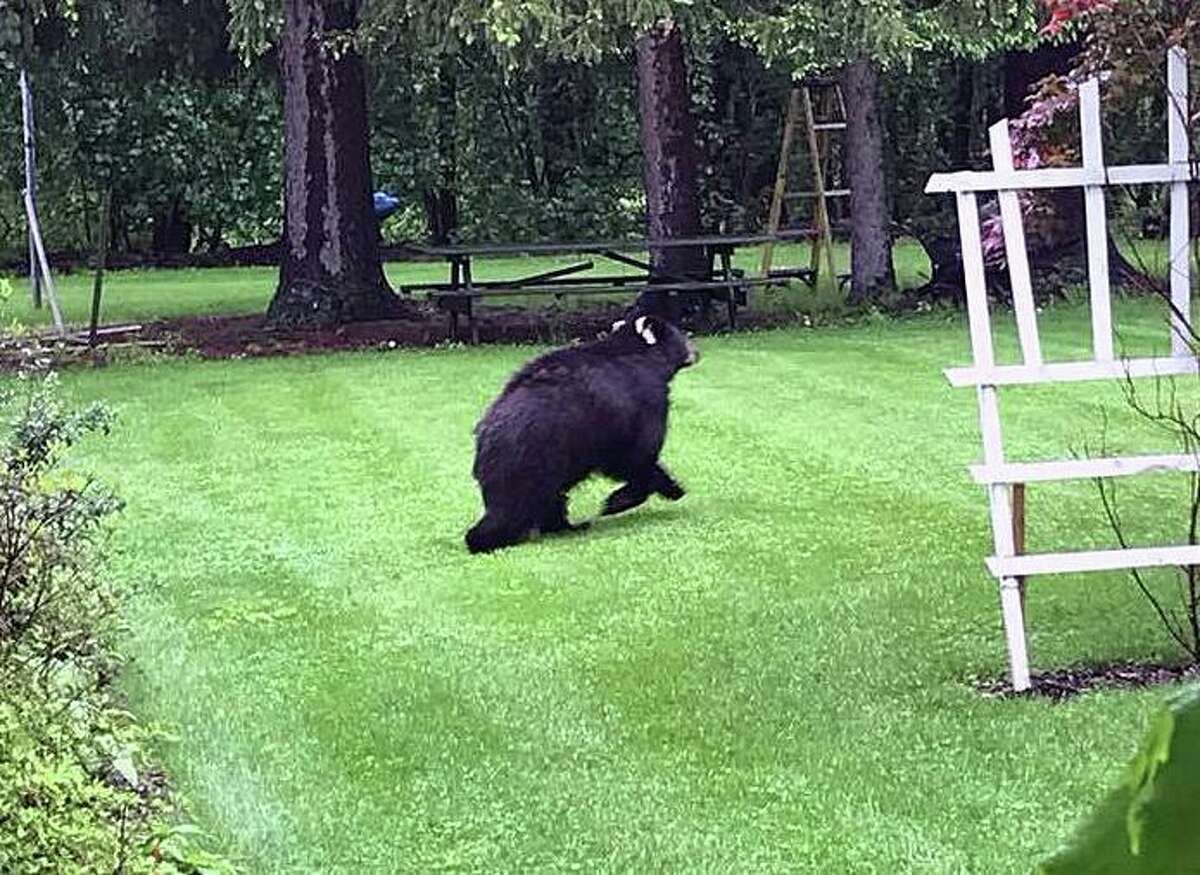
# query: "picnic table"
(720, 281)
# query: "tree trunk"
(441, 200)
(669, 158)
(172, 231)
(962, 130)
(872, 276)
(1024, 69)
(330, 270)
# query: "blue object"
(385, 204)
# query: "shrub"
(71, 796)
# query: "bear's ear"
(642, 326)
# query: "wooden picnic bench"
(721, 282)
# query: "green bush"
(74, 795)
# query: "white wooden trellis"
(1005, 480)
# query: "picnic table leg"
(730, 294)
(455, 282)
(468, 285)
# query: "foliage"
(543, 134)
(813, 35)
(1147, 825)
(547, 149)
(576, 29)
(1125, 45)
(159, 114)
(73, 793)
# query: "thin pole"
(36, 233)
(35, 276)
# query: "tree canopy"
(820, 35)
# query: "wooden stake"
(101, 260)
(1018, 508)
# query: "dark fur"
(598, 407)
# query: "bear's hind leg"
(626, 498)
(665, 485)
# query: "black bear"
(595, 407)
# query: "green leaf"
(1155, 753)
(1148, 824)
(123, 765)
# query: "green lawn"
(771, 675)
(137, 295)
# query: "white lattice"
(1003, 479)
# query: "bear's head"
(659, 337)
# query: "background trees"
(864, 41)
(518, 120)
(148, 100)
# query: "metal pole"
(35, 276)
(56, 311)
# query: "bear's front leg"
(641, 487)
(554, 518)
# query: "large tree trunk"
(330, 271)
(669, 157)
(1024, 69)
(441, 200)
(872, 277)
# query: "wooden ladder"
(801, 104)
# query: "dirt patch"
(237, 336)
(1065, 683)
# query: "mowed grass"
(772, 675)
(142, 295)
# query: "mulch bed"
(249, 336)
(1065, 683)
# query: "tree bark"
(872, 277)
(670, 158)
(330, 270)
(441, 199)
